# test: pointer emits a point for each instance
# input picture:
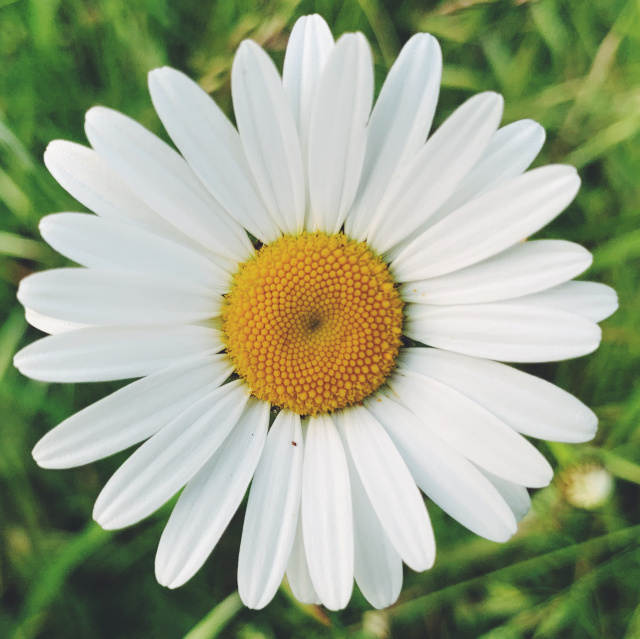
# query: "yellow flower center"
(313, 323)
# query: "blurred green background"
(571, 571)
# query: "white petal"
(523, 269)
(162, 179)
(211, 145)
(591, 300)
(489, 223)
(504, 331)
(327, 516)
(89, 179)
(442, 473)
(48, 324)
(509, 153)
(272, 513)
(389, 486)
(131, 414)
(81, 172)
(530, 405)
(269, 136)
(309, 46)
(298, 570)
(105, 244)
(399, 125)
(116, 298)
(338, 134)
(515, 495)
(434, 173)
(167, 461)
(377, 564)
(472, 430)
(98, 354)
(211, 498)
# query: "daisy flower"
(323, 264)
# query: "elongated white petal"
(377, 564)
(309, 46)
(212, 147)
(298, 570)
(81, 172)
(530, 405)
(509, 153)
(515, 495)
(131, 414)
(465, 495)
(442, 473)
(591, 300)
(163, 180)
(434, 173)
(504, 331)
(269, 136)
(167, 461)
(211, 498)
(389, 486)
(117, 298)
(272, 513)
(338, 134)
(472, 430)
(105, 244)
(48, 324)
(399, 125)
(327, 516)
(98, 354)
(489, 223)
(521, 270)
(90, 180)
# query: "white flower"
(312, 322)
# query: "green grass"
(572, 65)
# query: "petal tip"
(93, 113)
(54, 148)
(99, 114)
(315, 20)
(545, 477)
(570, 174)
(101, 514)
(248, 47)
(20, 294)
(157, 76)
(499, 100)
(102, 522)
(164, 69)
(46, 224)
(251, 601)
(538, 130)
(590, 428)
(166, 577)
(40, 457)
(18, 360)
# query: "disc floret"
(313, 323)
